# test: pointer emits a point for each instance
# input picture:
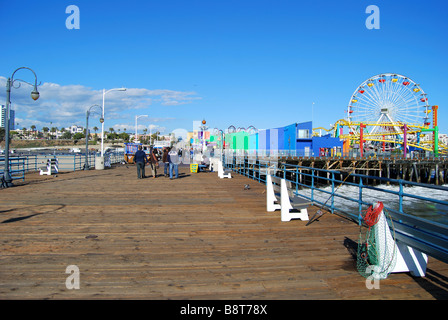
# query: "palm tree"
(112, 135)
(53, 130)
(33, 127)
(45, 130)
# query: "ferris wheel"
(386, 102)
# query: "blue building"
(304, 142)
(327, 146)
(294, 140)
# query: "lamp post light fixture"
(136, 117)
(86, 163)
(34, 95)
(102, 117)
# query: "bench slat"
(299, 202)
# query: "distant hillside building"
(75, 129)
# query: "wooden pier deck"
(197, 237)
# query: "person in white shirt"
(173, 159)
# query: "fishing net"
(377, 251)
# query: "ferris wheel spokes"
(386, 102)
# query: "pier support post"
(388, 172)
(436, 175)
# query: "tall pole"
(102, 126)
(222, 144)
(136, 117)
(86, 164)
(361, 139)
(6, 173)
(435, 126)
(102, 123)
(405, 140)
(86, 161)
(34, 96)
(312, 116)
(203, 128)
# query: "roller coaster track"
(383, 136)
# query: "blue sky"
(241, 63)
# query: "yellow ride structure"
(389, 112)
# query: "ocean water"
(420, 208)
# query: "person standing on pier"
(173, 159)
(153, 161)
(165, 161)
(140, 159)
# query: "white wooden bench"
(213, 165)
(223, 173)
(277, 188)
(51, 167)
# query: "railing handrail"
(425, 235)
(75, 161)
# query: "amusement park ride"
(389, 112)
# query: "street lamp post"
(34, 96)
(102, 122)
(86, 164)
(312, 115)
(136, 117)
(203, 128)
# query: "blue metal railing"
(321, 187)
(18, 166)
(329, 154)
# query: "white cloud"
(64, 105)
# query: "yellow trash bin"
(194, 168)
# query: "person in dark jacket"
(140, 159)
(153, 161)
(165, 161)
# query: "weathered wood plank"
(197, 237)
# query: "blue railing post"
(332, 192)
(400, 195)
(312, 184)
(297, 180)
